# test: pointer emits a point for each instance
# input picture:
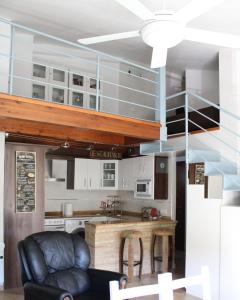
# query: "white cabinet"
(109, 174)
(83, 90)
(87, 174)
(81, 174)
(126, 179)
(93, 174)
(143, 167)
(50, 84)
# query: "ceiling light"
(66, 145)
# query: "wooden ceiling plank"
(39, 111)
(58, 132)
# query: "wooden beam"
(21, 108)
(58, 132)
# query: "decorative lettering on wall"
(105, 154)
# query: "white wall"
(5, 42)
(202, 237)
(204, 83)
(2, 151)
(56, 195)
(230, 249)
(23, 50)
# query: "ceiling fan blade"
(195, 9)
(159, 57)
(212, 38)
(109, 37)
(137, 9)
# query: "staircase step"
(231, 182)
(198, 156)
(220, 168)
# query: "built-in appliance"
(73, 224)
(54, 224)
(143, 188)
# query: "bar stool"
(130, 235)
(166, 236)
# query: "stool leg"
(121, 250)
(152, 254)
(130, 259)
(141, 257)
(165, 254)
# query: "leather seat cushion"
(73, 280)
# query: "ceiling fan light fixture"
(166, 33)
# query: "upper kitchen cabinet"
(109, 174)
(143, 167)
(126, 178)
(81, 174)
(93, 174)
(87, 174)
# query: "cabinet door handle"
(101, 182)
(85, 182)
(90, 182)
(123, 182)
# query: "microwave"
(143, 188)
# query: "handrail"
(226, 144)
(217, 123)
(214, 105)
(85, 92)
(80, 46)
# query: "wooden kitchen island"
(103, 239)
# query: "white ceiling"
(73, 19)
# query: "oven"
(143, 188)
(54, 224)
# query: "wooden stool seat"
(130, 235)
(166, 236)
(160, 232)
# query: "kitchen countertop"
(130, 220)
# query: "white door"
(94, 174)
(81, 174)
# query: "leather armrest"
(100, 279)
(33, 291)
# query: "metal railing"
(187, 121)
(117, 86)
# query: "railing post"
(11, 60)
(186, 135)
(98, 84)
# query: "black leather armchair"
(55, 266)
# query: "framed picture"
(25, 181)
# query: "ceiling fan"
(164, 29)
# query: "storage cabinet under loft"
(65, 87)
